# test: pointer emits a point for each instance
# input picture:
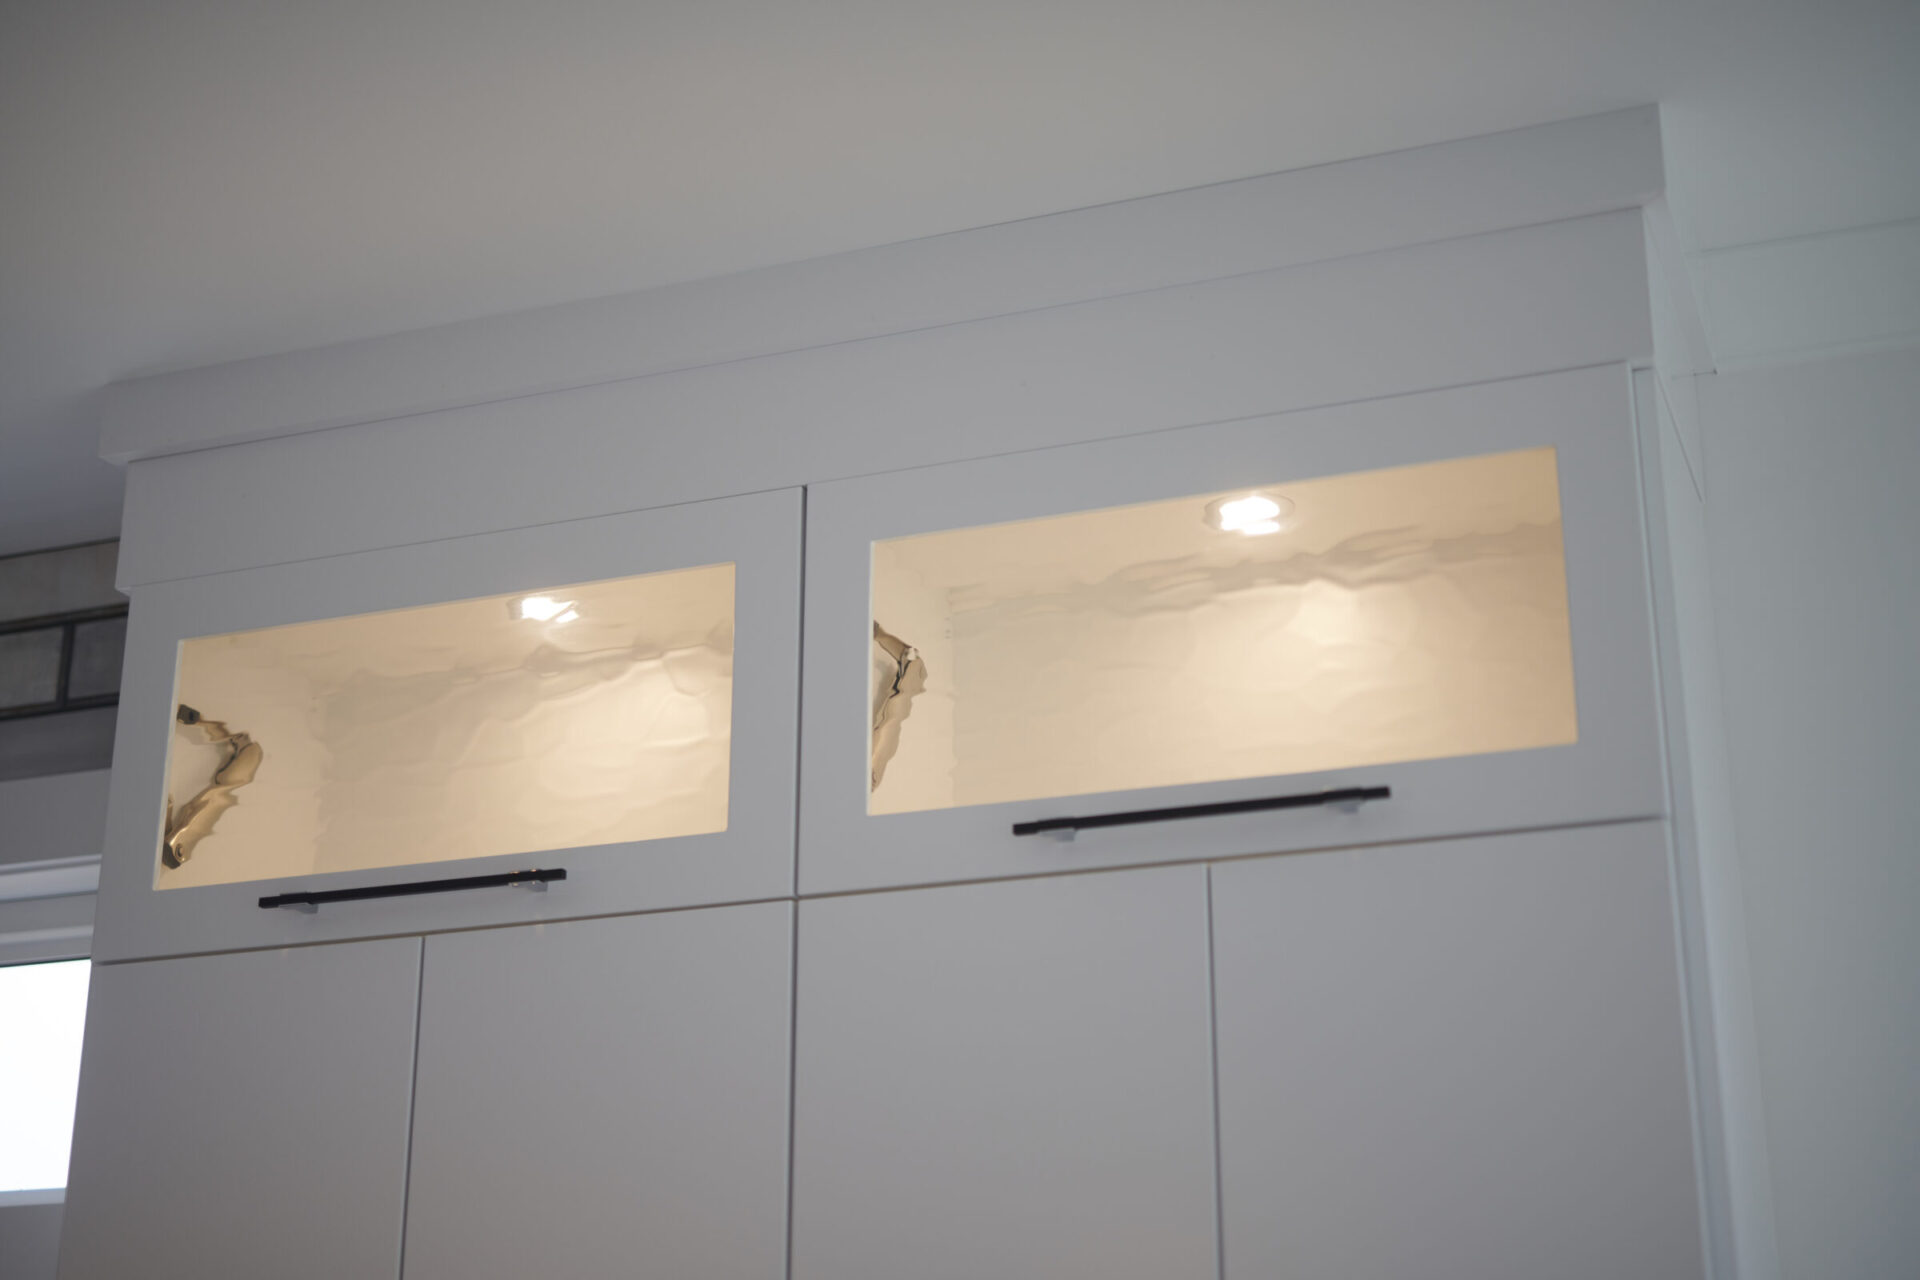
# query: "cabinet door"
(612, 698)
(245, 1115)
(605, 1097)
(1006, 1080)
(1431, 609)
(1463, 1060)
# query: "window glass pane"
(1382, 616)
(44, 1010)
(97, 650)
(29, 667)
(580, 715)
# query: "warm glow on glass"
(547, 609)
(1252, 515)
(468, 729)
(1406, 614)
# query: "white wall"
(1811, 473)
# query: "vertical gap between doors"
(793, 1062)
(413, 1094)
(1213, 1062)
(793, 917)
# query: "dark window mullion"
(69, 627)
(66, 667)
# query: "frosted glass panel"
(1371, 618)
(98, 648)
(581, 715)
(30, 667)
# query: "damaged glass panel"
(898, 674)
(1383, 616)
(583, 715)
(208, 763)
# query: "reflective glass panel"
(1382, 616)
(582, 715)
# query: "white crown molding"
(1546, 173)
(1507, 304)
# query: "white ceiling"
(186, 183)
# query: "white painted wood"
(1613, 771)
(244, 1116)
(1454, 1062)
(1540, 174)
(751, 859)
(605, 1097)
(1461, 311)
(1838, 292)
(1006, 1080)
(1821, 700)
(1680, 333)
(1736, 1188)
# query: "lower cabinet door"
(245, 1115)
(605, 1098)
(1455, 1061)
(1006, 1080)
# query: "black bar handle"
(1355, 796)
(538, 877)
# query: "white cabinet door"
(612, 698)
(1435, 606)
(245, 1115)
(1460, 1061)
(1006, 1080)
(605, 1098)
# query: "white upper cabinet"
(601, 711)
(1412, 617)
